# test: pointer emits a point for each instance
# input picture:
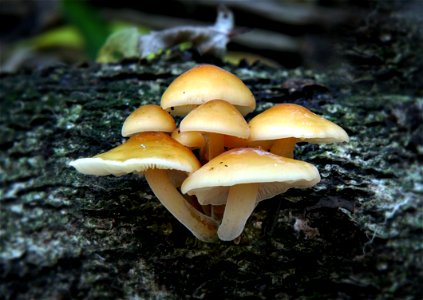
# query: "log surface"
(357, 234)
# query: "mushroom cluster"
(236, 163)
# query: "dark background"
(313, 26)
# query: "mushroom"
(231, 142)
(214, 119)
(156, 155)
(242, 177)
(148, 117)
(203, 83)
(190, 139)
(286, 124)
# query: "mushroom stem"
(202, 226)
(239, 206)
(215, 145)
(284, 147)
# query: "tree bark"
(357, 234)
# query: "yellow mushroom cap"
(292, 120)
(189, 139)
(141, 152)
(203, 83)
(148, 118)
(273, 173)
(216, 116)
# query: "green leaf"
(93, 29)
(121, 44)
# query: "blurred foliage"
(66, 36)
(121, 44)
(124, 43)
(104, 41)
(92, 27)
(119, 41)
(284, 33)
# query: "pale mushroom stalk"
(239, 207)
(215, 145)
(203, 227)
(284, 147)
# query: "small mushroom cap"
(148, 118)
(273, 173)
(203, 83)
(189, 139)
(141, 152)
(292, 120)
(216, 116)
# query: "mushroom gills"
(214, 196)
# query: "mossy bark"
(357, 234)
